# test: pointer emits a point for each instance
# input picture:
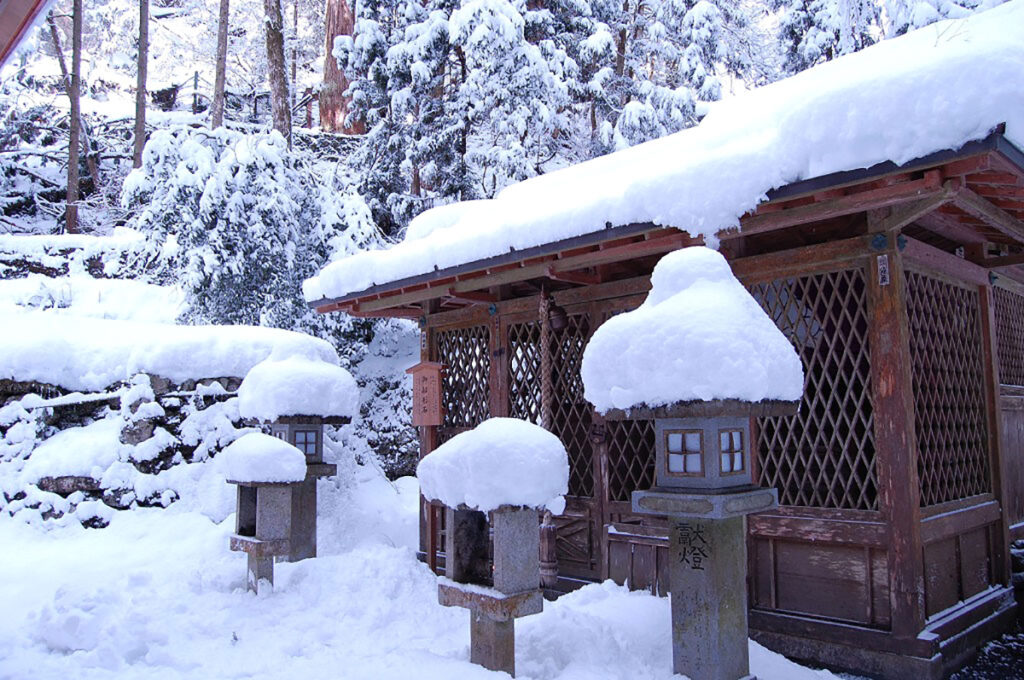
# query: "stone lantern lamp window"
(701, 359)
(295, 396)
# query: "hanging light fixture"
(557, 317)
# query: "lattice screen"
(466, 355)
(630, 457)
(949, 389)
(824, 456)
(570, 412)
(524, 371)
(1010, 335)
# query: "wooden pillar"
(895, 436)
(1001, 567)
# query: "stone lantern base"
(708, 577)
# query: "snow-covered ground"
(157, 594)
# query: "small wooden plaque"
(426, 388)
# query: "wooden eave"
(971, 197)
(16, 18)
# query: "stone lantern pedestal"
(515, 587)
(703, 485)
(307, 434)
(263, 525)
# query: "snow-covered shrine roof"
(947, 91)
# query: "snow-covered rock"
(258, 457)
(699, 335)
(895, 101)
(297, 385)
(502, 461)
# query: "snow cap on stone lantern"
(298, 394)
(701, 358)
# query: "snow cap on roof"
(258, 457)
(933, 89)
(297, 384)
(502, 461)
(699, 335)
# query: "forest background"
(250, 143)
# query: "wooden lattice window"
(571, 414)
(524, 371)
(466, 355)
(949, 389)
(1010, 334)
(825, 455)
(630, 457)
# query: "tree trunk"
(340, 20)
(140, 83)
(217, 114)
(276, 70)
(295, 55)
(91, 156)
(76, 113)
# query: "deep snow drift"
(932, 89)
(157, 594)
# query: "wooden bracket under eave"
(579, 277)
(471, 296)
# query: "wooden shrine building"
(901, 481)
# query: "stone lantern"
(268, 473)
(297, 396)
(702, 360)
(703, 485)
(509, 469)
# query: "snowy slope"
(933, 89)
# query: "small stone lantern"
(268, 472)
(297, 396)
(702, 360)
(510, 469)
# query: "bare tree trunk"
(276, 70)
(140, 83)
(295, 53)
(340, 20)
(217, 115)
(91, 156)
(76, 113)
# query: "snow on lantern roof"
(260, 458)
(297, 385)
(933, 89)
(502, 461)
(698, 336)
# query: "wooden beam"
(896, 440)
(903, 215)
(929, 186)
(391, 313)
(472, 297)
(996, 217)
(654, 246)
(1004, 261)
(583, 278)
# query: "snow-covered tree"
(815, 31)
(905, 15)
(241, 222)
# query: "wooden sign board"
(426, 389)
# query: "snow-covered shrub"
(241, 220)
